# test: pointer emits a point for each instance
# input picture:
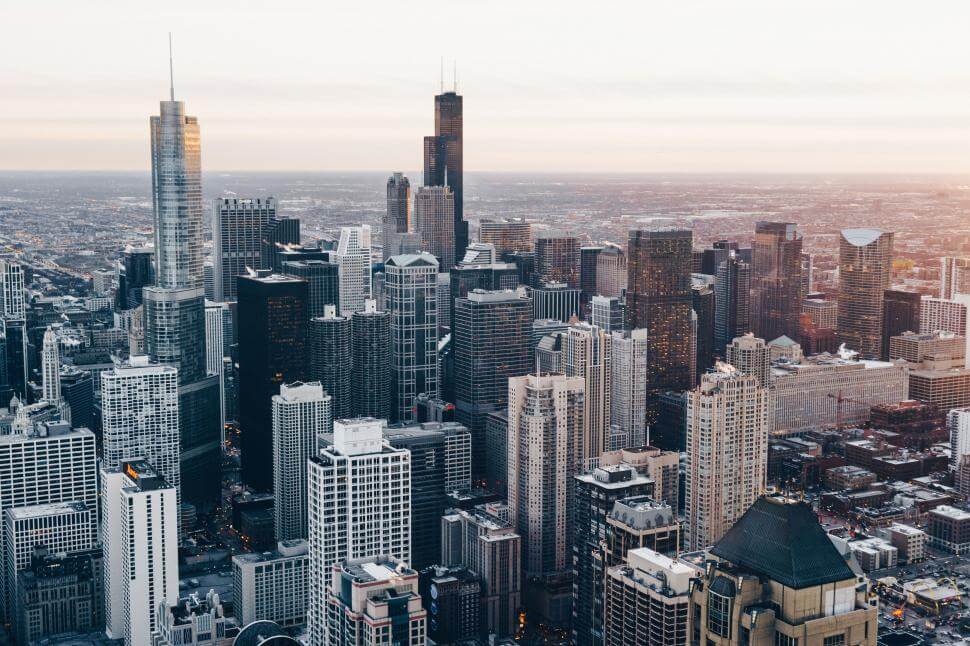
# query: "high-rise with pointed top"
(443, 165)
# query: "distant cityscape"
(439, 407)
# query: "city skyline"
(832, 96)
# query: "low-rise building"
(949, 529)
(272, 586)
(910, 542)
(194, 621)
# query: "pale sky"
(607, 86)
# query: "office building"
(77, 389)
(607, 313)
(272, 586)
(637, 522)
(279, 234)
(490, 344)
(51, 368)
(824, 314)
(140, 417)
(776, 280)
(301, 413)
(371, 349)
(272, 351)
(728, 420)
(557, 258)
(484, 542)
(647, 600)
(749, 355)
(397, 216)
(237, 234)
(587, 353)
(587, 271)
(659, 300)
(59, 594)
(901, 313)
(949, 529)
(958, 424)
(215, 344)
(443, 163)
(548, 353)
(509, 235)
(554, 301)
(140, 538)
(360, 506)
(374, 600)
(354, 268)
(331, 359)
(938, 315)
(452, 597)
(778, 557)
(954, 277)
(443, 295)
(916, 348)
(195, 621)
(137, 272)
(611, 271)
(628, 389)
(865, 269)
(596, 493)
(323, 282)
(434, 213)
(546, 442)
(411, 292)
(732, 301)
(942, 381)
(702, 302)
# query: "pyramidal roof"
(784, 542)
(783, 341)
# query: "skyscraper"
(954, 277)
(443, 164)
(776, 280)
(434, 208)
(354, 263)
(728, 419)
(865, 268)
(611, 271)
(397, 217)
(51, 367)
(659, 299)
(509, 235)
(323, 282)
(545, 450)
(331, 359)
(301, 413)
(278, 234)
(557, 258)
(360, 506)
(901, 313)
(272, 351)
(140, 417)
(731, 301)
(750, 355)
(628, 389)
(607, 312)
(958, 423)
(237, 234)
(371, 346)
(490, 344)
(588, 266)
(140, 539)
(215, 343)
(137, 272)
(411, 288)
(587, 353)
(702, 302)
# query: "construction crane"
(839, 399)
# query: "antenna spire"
(442, 75)
(171, 73)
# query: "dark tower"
(331, 359)
(776, 280)
(443, 159)
(901, 313)
(371, 383)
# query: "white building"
(954, 277)
(628, 416)
(910, 542)
(215, 314)
(611, 271)
(13, 302)
(272, 586)
(139, 533)
(195, 621)
(359, 506)
(140, 416)
(353, 267)
(946, 315)
(728, 419)
(587, 353)
(958, 423)
(749, 355)
(51, 367)
(301, 413)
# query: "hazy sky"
(653, 85)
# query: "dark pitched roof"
(785, 543)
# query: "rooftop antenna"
(171, 73)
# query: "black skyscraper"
(272, 351)
(901, 313)
(702, 301)
(323, 282)
(278, 233)
(371, 384)
(443, 159)
(138, 271)
(77, 389)
(331, 359)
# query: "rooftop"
(38, 511)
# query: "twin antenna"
(455, 82)
(171, 73)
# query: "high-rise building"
(750, 356)
(588, 256)
(628, 389)
(237, 233)
(954, 277)
(331, 359)
(607, 312)
(483, 540)
(916, 348)
(659, 300)
(865, 269)
(323, 282)
(272, 351)
(199, 620)
(434, 215)
(77, 388)
(596, 494)
(901, 313)
(397, 217)
(647, 599)
(940, 315)
(554, 301)
(728, 420)
(354, 268)
(731, 301)
(371, 347)
(301, 413)
(490, 344)
(776, 280)
(611, 271)
(702, 302)
(557, 258)
(546, 439)
(272, 586)
(443, 160)
(137, 272)
(411, 286)
(778, 556)
(140, 417)
(51, 367)
(958, 423)
(279, 234)
(360, 506)
(374, 600)
(587, 353)
(139, 533)
(509, 235)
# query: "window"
(834, 640)
(781, 639)
(719, 614)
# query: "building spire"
(171, 73)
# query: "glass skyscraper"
(443, 164)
